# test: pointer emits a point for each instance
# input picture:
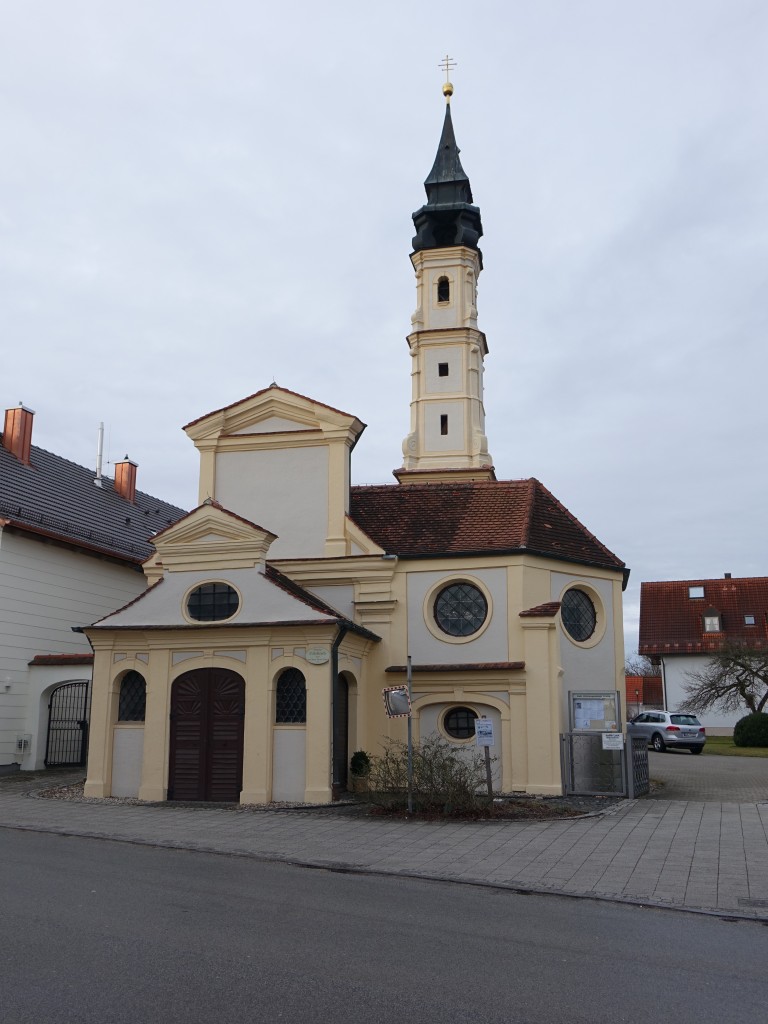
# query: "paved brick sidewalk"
(682, 854)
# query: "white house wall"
(282, 490)
(44, 591)
(675, 680)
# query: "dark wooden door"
(207, 720)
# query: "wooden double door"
(207, 723)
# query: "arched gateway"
(206, 750)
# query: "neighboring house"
(278, 610)
(71, 547)
(643, 692)
(682, 623)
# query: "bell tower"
(447, 437)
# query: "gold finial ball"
(447, 90)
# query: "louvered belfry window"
(291, 698)
(133, 698)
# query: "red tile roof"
(477, 518)
(62, 659)
(671, 622)
(548, 610)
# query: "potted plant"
(359, 769)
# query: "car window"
(684, 720)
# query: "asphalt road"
(106, 932)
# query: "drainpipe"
(336, 742)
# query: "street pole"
(410, 743)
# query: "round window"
(460, 609)
(578, 614)
(212, 602)
(460, 723)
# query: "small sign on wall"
(317, 655)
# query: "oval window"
(578, 615)
(460, 609)
(212, 602)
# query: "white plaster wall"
(127, 753)
(289, 763)
(435, 441)
(283, 490)
(429, 718)
(425, 647)
(340, 598)
(260, 600)
(588, 667)
(44, 591)
(675, 680)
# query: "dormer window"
(443, 290)
(712, 621)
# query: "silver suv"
(663, 729)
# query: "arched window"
(291, 698)
(443, 290)
(133, 698)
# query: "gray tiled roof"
(57, 498)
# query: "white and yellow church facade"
(278, 610)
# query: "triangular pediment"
(211, 536)
(274, 410)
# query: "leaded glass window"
(578, 614)
(291, 698)
(133, 698)
(460, 609)
(212, 602)
(460, 723)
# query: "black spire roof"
(448, 218)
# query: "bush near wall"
(446, 780)
(751, 731)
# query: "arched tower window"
(443, 290)
(133, 698)
(291, 698)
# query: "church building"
(279, 609)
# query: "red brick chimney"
(17, 432)
(125, 479)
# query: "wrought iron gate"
(69, 711)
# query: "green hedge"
(751, 731)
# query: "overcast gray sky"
(197, 198)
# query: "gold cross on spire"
(447, 64)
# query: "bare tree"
(735, 679)
(640, 665)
